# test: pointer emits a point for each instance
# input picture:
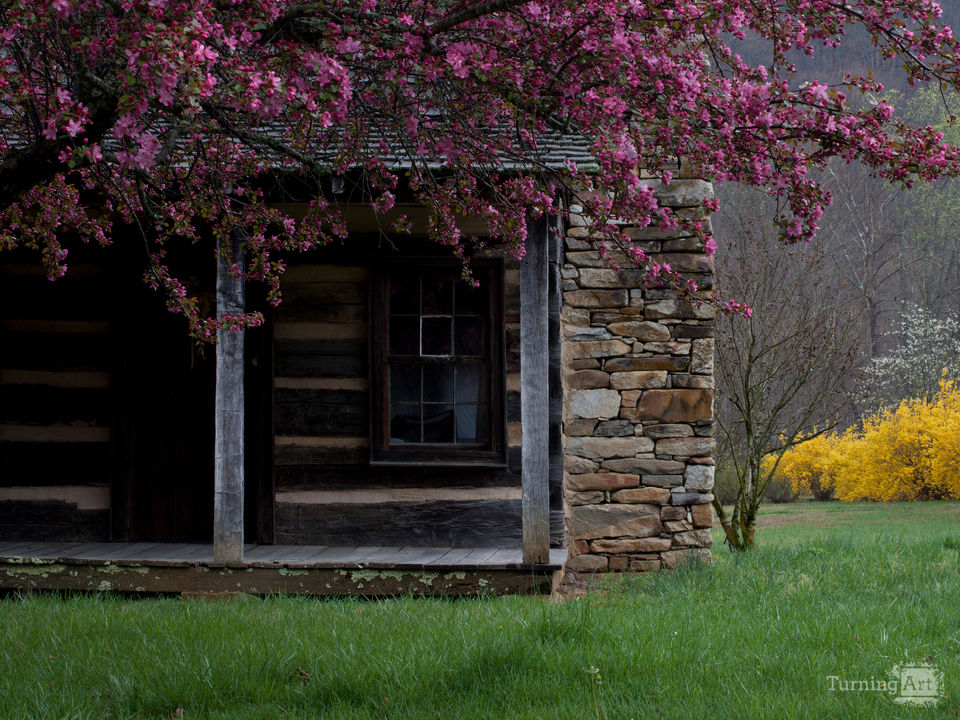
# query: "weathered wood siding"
(56, 403)
(326, 490)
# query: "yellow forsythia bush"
(911, 453)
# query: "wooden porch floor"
(293, 569)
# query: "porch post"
(535, 392)
(228, 473)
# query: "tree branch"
(472, 13)
(35, 164)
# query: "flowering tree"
(928, 349)
(175, 117)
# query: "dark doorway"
(168, 399)
(163, 437)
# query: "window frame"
(382, 451)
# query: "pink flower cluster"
(172, 112)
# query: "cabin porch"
(189, 568)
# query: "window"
(437, 370)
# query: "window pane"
(404, 336)
(438, 423)
(438, 383)
(405, 383)
(437, 295)
(404, 423)
(471, 423)
(473, 301)
(436, 336)
(471, 383)
(470, 336)
(404, 295)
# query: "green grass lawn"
(844, 590)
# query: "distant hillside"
(855, 55)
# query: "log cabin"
(390, 428)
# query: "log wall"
(326, 490)
(56, 403)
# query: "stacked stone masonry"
(638, 415)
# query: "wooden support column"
(535, 392)
(228, 473)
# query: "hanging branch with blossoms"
(173, 119)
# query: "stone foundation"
(638, 414)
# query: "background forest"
(849, 325)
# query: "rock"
(589, 522)
(689, 498)
(638, 380)
(688, 243)
(645, 565)
(670, 348)
(575, 243)
(598, 404)
(650, 233)
(629, 364)
(698, 477)
(617, 563)
(681, 193)
(629, 398)
(674, 406)
(577, 465)
(587, 333)
(597, 348)
(663, 481)
(579, 427)
(585, 379)
(667, 431)
(702, 516)
(602, 448)
(676, 526)
(685, 446)
(643, 331)
(694, 538)
(609, 278)
(643, 496)
(584, 259)
(631, 545)
(693, 381)
(615, 428)
(643, 466)
(583, 498)
(687, 262)
(583, 364)
(596, 298)
(674, 512)
(626, 314)
(578, 317)
(701, 356)
(693, 331)
(600, 481)
(682, 309)
(587, 563)
(704, 429)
